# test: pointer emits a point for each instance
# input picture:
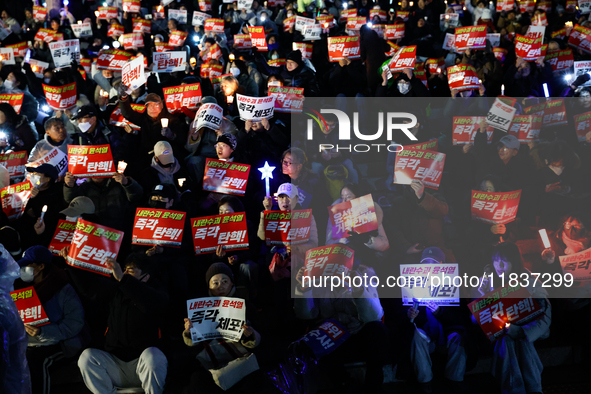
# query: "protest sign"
(584, 6)
(199, 18)
(216, 318)
(43, 34)
(242, 41)
(300, 22)
(500, 53)
(430, 283)
(257, 37)
(462, 77)
(39, 13)
(330, 260)
(494, 39)
(526, 128)
(158, 227)
(529, 49)
(470, 37)
(133, 75)
(213, 52)
(14, 99)
(429, 145)
(56, 158)
(419, 164)
(287, 228)
(582, 125)
(312, 32)
(117, 118)
(60, 98)
(326, 338)
(558, 34)
(346, 14)
(7, 56)
(214, 25)
(29, 307)
(540, 19)
(434, 64)
(495, 208)
(381, 14)
(577, 264)
(177, 38)
(355, 23)
(306, 49)
(357, 215)
(287, 99)
(210, 70)
(82, 30)
(452, 19)
(276, 62)
(19, 49)
(225, 177)
(393, 49)
(108, 13)
(404, 15)
(15, 198)
(580, 37)
(527, 6)
(131, 6)
(112, 59)
(449, 42)
(500, 115)
(167, 62)
(91, 245)
(327, 21)
(505, 5)
(14, 163)
(560, 60)
(205, 5)
(343, 47)
(90, 161)
(288, 23)
(379, 28)
(132, 40)
(65, 52)
(142, 26)
(581, 68)
(115, 30)
(62, 236)
(177, 97)
(38, 67)
(244, 4)
(163, 47)
(229, 230)
(179, 15)
(404, 58)
(255, 108)
(209, 115)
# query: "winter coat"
(46, 145)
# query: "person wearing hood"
(16, 82)
(300, 75)
(239, 70)
(480, 8)
(404, 85)
(55, 137)
(92, 131)
(19, 135)
(264, 20)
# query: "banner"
(242, 41)
(505, 5)
(14, 99)
(528, 48)
(62, 236)
(112, 59)
(331, 260)
(179, 15)
(167, 62)
(276, 62)
(118, 120)
(216, 81)
(46, 35)
(343, 47)
(225, 177)
(312, 32)
(163, 47)
(527, 6)
(39, 13)
(471, 37)
(327, 21)
(419, 284)
(38, 67)
(526, 128)
(199, 18)
(115, 30)
(15, 198)
(131, 6)
(142, 26)
(507, 305)
(108, 13)
(577, 264)
(29, 307)
(257, 38)
(287, 99)
(539, 20)
(158, 227)
(91, 245)
(133, 75)
(60, 98)
(429, 145)
(56, 158)
(229, 230)
(255, 108)
(19, 49)
(306, 49)
(584, 6)
(462, 77)
(346, 14)
(495, 208)
(355, 23)
(65, 52)
(209, 71)
(90, 161)
(582, 125)
(132, 40)
(419, 164)
(558, 34)
(288, 23)
(177, 38)
(82, 30)
(214, 25)
(358, 216)
(465, 129)
(287, 228)
(449, 42)
(580, 37)
(500, 115)
(213, 52)
(7, 56)
(326, 338)
(394, 32)
(561, 60)
(451, 19)
(205, 5)
(209, 115)
(216, 318)
(393, 49)
(500, 53)
(14, 162)
(300, 22)
(177, 97)
(404, 58)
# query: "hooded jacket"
(302, 76)
(44, 146)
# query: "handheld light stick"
(266, 174)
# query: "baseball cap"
(36, 254)
(432, 253)
(153, 98)
(163, 151)
(209, 100)
(86, 110)
(510, 141)
(45, 169)
(164, 190)
(79, 206)
(288, 189)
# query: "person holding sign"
(92, 131)
(16, 82)
(19, 135)
(63, 335)
(297, 74)
(55, 137)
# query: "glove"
(167, 132)
(122, 90)
(581, 79)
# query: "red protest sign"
(276, 62)
(540, 19)
(526, 128)
(500, 53)
(177, 97)
(554, 112)
(328, 261)
(90, 161)
(257, 37)
(354, 23)
(357, 215)
(214, 25)
(393, 49)
(228, 230)
(341, 47)
(62, 236)
(132, 40)
(177, 38)
(429, 145)
(394, 32)
(108, 13)
(15, 198)
(506, 305)
(143, 26)
(419, 164)
(466, 127)
(225, 177)
(462, 77)
(306, 49)
(577, 264)
(471, 37)
(403, 15)
(346, 14)
(582, 125)
(495, 208)
(287, 99)
(14, 163)
(20, 49)
(115, 30)
(14, 99)
(46, 35)
(505, 5)
(404, 58)
(560, 60)
(287, 227)
(163, 47)
(131, 6)
(242, 41)
(91, 245)
(60, 98)
(205, 5)
(39, 13)
(434, 64)
(527, 6)
(158, 227)
(211, 70)
(580, 37)
(528, 48)
(327, 21)
(112, 59)
(288, 23)
(29, 307)
(117, 118)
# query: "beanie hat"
(218, 268)
(296, 56)
(228, 139)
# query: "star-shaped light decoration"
(266, 174)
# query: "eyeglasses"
(286, 163)
(568, 226)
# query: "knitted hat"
(218, 268)
(228, 139)
(296, 56)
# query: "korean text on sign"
(495, 208)
(341, 47)
(327, 261)
(177, 97)
(90, 161)
(167, 62)
(60, 98)
(14, 163)
(326, 338)
(62, 237)
(357, 215)
(430, 283)
(216, 317)
(255, 108)
(15, 198)
(287, 227)
(419, 164)
(577, 264)
(158, 227)
(29, 307)
(229, 231)
(225, 177)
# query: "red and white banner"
(60, 98)
(108, 13)
(583, 125)
(287, 227)
(115, 30)
(143, 26)
(462, 77)
(357, 215)
(38, 67)
(288, 23)
(560, 60)
(14, 99)
(577, 264)
(276, 62)
(177, 97)
(404, 58)
(435, 65)
(346, 14)
(539, 20)
(558, 34)
(580, 37)
(118, 120)
(306, 49)
(355, 23)
(527, 6)
(255, 108)
(131, 6)
(225, 177)
(163, 47)
(471, 37)
(29, 307)
(133, 75)
(394, 32)
(419, 164)
(230, 231)
(495, 208)
(213, 52)
(214, 25)
(112, 59)
(199, 18)
(328, 260)
(505, 5)
(529, 49)
(526, 128)
(327, 21)
(56, 158)
(500, 53)
(90, 161)
(15, 198)
(429, 145)
(242, 41)
(132, 40)
(210, 71)
(287, 99)
(167, 62)
(39, 13)
(553, 112)
(177, 38)
(466, 127)
(46, 35)
(257, 37)
(393, 49)
(158, 227)
(62, 237)
(19, 49)
(205, 5)
(14, 163)
(91, 245)
(343, 47)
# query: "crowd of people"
(131, 330)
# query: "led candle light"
(164, 122)
(503, 89)
(266, 174)
(568, 24)
(545, 240)
(43, 210)
(181, 181)
(121, 166)
(438, 70)
(229, 99)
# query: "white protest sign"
(56, 158)
(582, 67)
(166, 2)
(500, 115)
(245, 4)
(167, 62)
(449, 42)
(7, 56)
(82, 30)
(199, 18)
(255, 108)
(429, 283)
(300, 22)
(64, 52)
(584, 6)
(210, 115)
(495, 39)
(216, 318)
(132, 74)
(179, 15)
(452, 19)
(38, 67)
(535, 32)
(312, 32)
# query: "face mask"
(46, 80)
(8, 84)
(27, 274)
(84, 127)
(557, 170)
(274, 56)
(165, 165)
(72, 218)
(157, 204)
(403, 87)
(273, 46)
(35, 180)
(235, 71)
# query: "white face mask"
(46, 80)
(274, 56)
(235, 71)
(27, 274)
(8, 84)
(557, 170)
(84, 127)
(35, 180)
(72, 218)
(403, 87)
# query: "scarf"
(55, 279)
(572, 246)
